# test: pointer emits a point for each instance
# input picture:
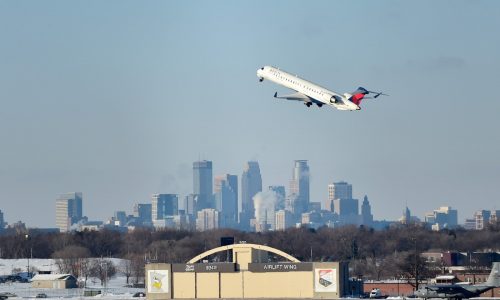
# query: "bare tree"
(72, 260)
(415, 268)
(137, 265)
(125, 267)
(103, 269)
(85, 270)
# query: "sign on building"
(279, 267)
(158, 281)
(325, 280)
(205, 267)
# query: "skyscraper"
(483, 218)
(291, 201)
(495, 216)
(2, 221)
(346, 208)
(366, 212)
(251, 184)
(448, 216)
(284, 219)
(121, 217)
(207, 219)
(279, 190)
(190, 204)
(444, 217)
(202, 184)
(406, 218)
(68, 210)
(299, 185)
(164, 205)
(142, 211)
(226, 199)
(338, 190)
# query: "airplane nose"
(259, 74)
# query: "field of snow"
(115, 288)
(8, 265)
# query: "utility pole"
(416, 262)
(28, 256)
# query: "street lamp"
(27, 236)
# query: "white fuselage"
(311, 90)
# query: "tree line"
(373, 254)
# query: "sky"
(116, 99)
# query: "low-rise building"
(54, 281)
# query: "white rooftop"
(51, 277)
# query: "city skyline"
(117, 100)
(335, 193)
(171, 210)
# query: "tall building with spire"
(366, 212)
(406, 219)
(202, 184)
(251, 184)
(299, 185)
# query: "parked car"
(376, 293)
(7, 295)
(140, 294)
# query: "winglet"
(275, 94)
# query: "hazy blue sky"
(116, 99)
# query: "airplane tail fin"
(356, 98)
(358, 95)
(494, 278)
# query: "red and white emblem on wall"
(325, 277)
(326, 280)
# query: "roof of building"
(51, 277)
(446, 277)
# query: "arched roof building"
(247, 273)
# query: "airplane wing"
(446, 289)
(295, 96)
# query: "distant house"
(54, 281)
(445, 279)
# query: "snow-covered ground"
(7, 266)
(115, 289)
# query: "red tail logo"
(356, 98)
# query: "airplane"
(311, 93)
(461, 291)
